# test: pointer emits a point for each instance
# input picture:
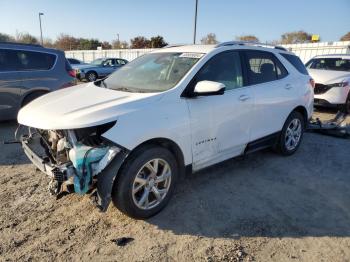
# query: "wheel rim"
(151, 184)
(293, 134)
(91, 77)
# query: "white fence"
(308, 51)
(89, 55)
(304, 51)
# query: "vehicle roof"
(333, 56)
(208, 48)
(23, 46)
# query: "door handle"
(288, 86)
(243, 97)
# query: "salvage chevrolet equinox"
(130, 137)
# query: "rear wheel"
(146, 182)
(291, 134)
(91, 76)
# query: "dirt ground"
(261, 207)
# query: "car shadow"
(267, 195)
(10, 153)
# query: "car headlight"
(342, 84)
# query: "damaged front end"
(78, 160)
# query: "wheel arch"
(302, 110)
(169, 144)
(33, 91)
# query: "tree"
(26, 38)
(106, 45)
(88, 44)
(66, 42)
(296, 37)
(157, 42)
(48, 43)
(345, 37)
(6, 38)
(251, 38)
(140, 42)
(209, 39)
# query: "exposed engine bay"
(73, 159)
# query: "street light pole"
(41, 30)
(195, 23)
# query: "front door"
(220, 124)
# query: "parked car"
(27, 72)
(74, 61)
(332, 80)
(98, 68)
(134, 134)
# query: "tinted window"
(263, 67)
(224, 68)
(8, 60)
(296, 62)
(35, 60)
(73, 61)
(337, 64)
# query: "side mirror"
(209, 88)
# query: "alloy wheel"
(151, 184)
(293, 134)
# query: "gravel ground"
(261, 207)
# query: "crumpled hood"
(81, 106)
(327, 77)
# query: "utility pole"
(195, 23)
(41, 30)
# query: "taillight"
(312, 82)
(72, 73)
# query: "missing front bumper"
(61, 174)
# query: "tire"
(288, 143)
(133, 191)
(91, 76)
(32, 96)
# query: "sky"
(173, 19)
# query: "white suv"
(131, 136)
(332, 80)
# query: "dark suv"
(27, 72)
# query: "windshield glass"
(337, 64)
(97, 61)
(156, 72)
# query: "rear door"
(11, 84)
(274, 92)
(220, 124)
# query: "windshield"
(337, 64)
(97, 61)
(156, 72)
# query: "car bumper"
(334, 96)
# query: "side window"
(263, 67)
(224, 68)
(8, 60)
(35, 60)
(296, 62)
(121, 62)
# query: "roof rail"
(252, 43)
(176, 45)
(21, 44)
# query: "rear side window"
(296, 62)
(224, 68)
(263, 67)
(19, 60)
(29, 60)
(336, 64)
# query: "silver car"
(98, 68)
(27, 72)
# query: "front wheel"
(91, 76)
(146, 182)
(291, 134)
